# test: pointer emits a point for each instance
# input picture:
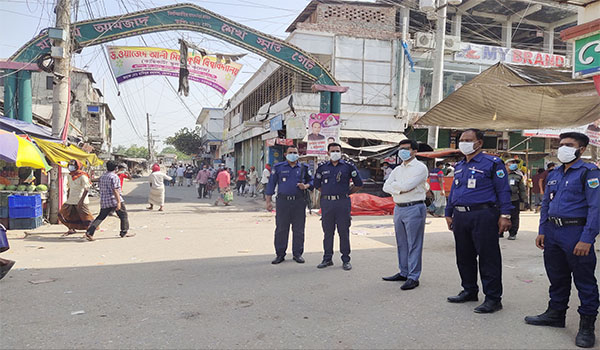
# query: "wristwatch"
(505, 216)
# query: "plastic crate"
(3, 212)
(4, 198)
(24, 207)
(25, 224)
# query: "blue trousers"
(336, 213)
(476, 235)
(288, 213)
(561, 264)
(409, 224)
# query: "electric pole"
(437, 85)
(150, 153)
(60, 94)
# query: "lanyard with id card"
(472, 182)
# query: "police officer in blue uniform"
(291, 179)
(333, 179)
(478, 211)
(568, 228)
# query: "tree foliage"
(133, 151)
(186, 140)
(172, 150)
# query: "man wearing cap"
(478, 211)
(518, 194)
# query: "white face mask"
(72, 168)
(335, 156)
(466, 147)
(567, 154)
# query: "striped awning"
(511, 97)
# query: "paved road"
(199, 276)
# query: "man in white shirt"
(408, 185)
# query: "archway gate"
(194, 18)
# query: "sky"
(21, 20)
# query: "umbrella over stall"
(22, 152)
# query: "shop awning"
(24, 128)
(58, 153)
(391, 137)
(506, 97)
(371, 149)
(440, 154)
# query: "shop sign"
(587, 56)
(276, 123)
(489, 55)
(279, 141)
(324, 128)
(591, 130)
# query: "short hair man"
(315, 135)
(568, 229)
(408, 186)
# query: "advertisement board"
(323, 128)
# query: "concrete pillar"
(507, 34)
(10, 94)
(25, 112)
(336, 102)
(549, 40)
(325, 105)
(457, 25)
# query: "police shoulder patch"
(593, 183)
(354, 173)
(319, 175)
(500, 173)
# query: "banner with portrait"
(323, 129)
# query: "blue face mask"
(292, 157)
(404, 154)
(513, 167)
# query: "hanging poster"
(295, 128)
(323, 128)
(128, 62)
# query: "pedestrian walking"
(110, 201)
(291, 179)
(157, 188)
(408, 186)
(188, 175)
(241, 180)
(436, 185)
(123, 174)
(518, 194)
(180, 173)
(264, 180)
(333, 178)
(224, 182)
(202, 180)
(172, 172)
(478, 211)
(568, 229)
(387, 170)
(75, 213)
(252, 181)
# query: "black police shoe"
(347, 266)
(488, 307)
(394, 278)
(551, 318)
(410, 284)
(586, 337)
(299, 259)
(324, 264)
(463, 297)
(277, 260)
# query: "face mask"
(72, 168)
(335, 156)
(513, 167)
(567, 154)
(404, 154)
(292, 157)
(466, 147)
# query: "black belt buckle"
(462, 209)
(290, 198)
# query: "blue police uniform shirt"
(335, 179)
(574, 194)
(483, 180)
(286, 178)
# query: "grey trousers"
(409, 224)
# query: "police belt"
(288, 198)
(334, 197)
(409, 204)
(465, 209)
(567, 221)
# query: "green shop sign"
(587, 56)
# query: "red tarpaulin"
(368, 204)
